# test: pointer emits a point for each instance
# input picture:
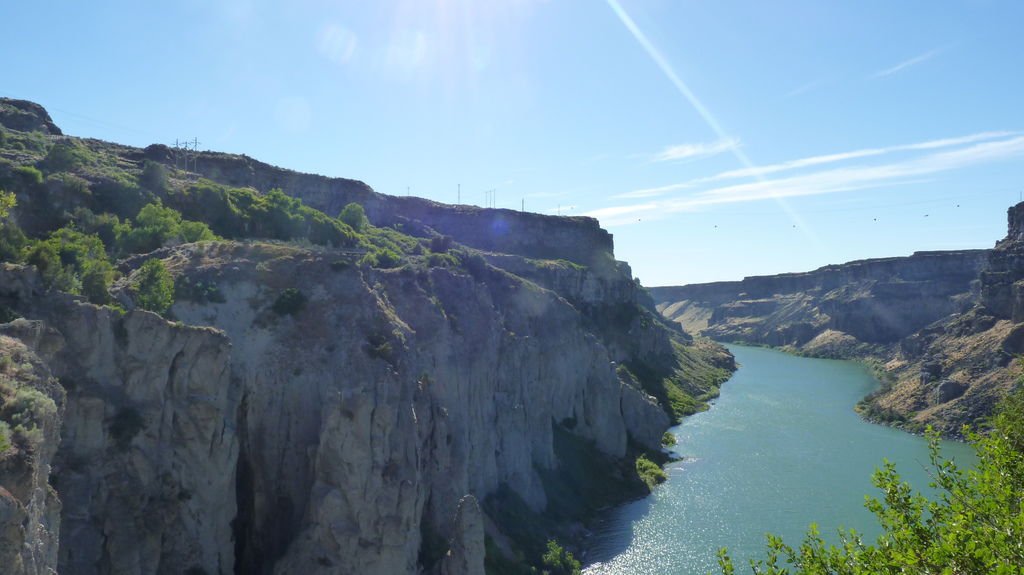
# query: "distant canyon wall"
(944, 326)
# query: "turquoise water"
(780, 449)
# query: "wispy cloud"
(812, 161)
(698, 150)
(658, 191)
(803, 89)
(969, 151)
(907, 63)
(670, 74)
(857, 154)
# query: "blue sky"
(714, 139)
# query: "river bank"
(781, 448)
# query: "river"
(780, 449)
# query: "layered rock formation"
(943, 327)
(875, 301)
(308, 411)
(147, 451)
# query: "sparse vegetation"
(197, 291)
(381, 258)
(74, 262)
(650, 472)
(29, 175)
(157, 226)
(668, 439)
(5, 437)
(154, 176)
(26, 413)
(153, 287)
(354, 215)
(379, 347)
(67, 155)
(558, 561)
(289, 302)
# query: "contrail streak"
(694, 101)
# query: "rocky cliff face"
(30, 510)
(329, 440)
(371, 412)
(147, 449)
(874, 301)
(942, 326)
(308, 411)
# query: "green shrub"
(442, 261)
(157, 226)
(379, 347)
(668, 439)
(476, 264)
(12, 242)
(29, 175)
(354, 215)
(120, 196)
(5, 436)
(289, 302)
(7, 203)
(151, 229)
(388, 259)
(649, 472)
(154, 288)
(558, 561)
(97, 275)
(154, 176)
(67, 155)
(27, 411)
(195, 232)
(103, 225)
(64, 258)
(381, 258)
(245, 213)
(440, 244)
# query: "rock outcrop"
(147, 450)
(26, 116)
(30, 509)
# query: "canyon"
(942, 329)
(302, 408)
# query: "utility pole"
(195, 155)
(522, 205)
(459, 196)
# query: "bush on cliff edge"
(154, 288)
